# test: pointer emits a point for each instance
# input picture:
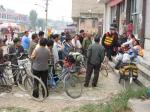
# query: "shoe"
(86, 85)
(15, 84)
(93, 85)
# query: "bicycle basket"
(125, 68)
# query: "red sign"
(114, 2)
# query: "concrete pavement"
(139, 105)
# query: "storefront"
(122, 12)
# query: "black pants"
(43, 75)
(89, 72)
(109, 51)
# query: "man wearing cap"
(109, 41)
(95, 56)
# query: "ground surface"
(57, 101)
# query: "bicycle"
(4, 87)
(24, 78)
(104, 67)
(29, 82)
(80, 64)
(18, 72)
(128, 72)
(71, 83)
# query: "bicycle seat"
(23, 61)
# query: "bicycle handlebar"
(15, 54)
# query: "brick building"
(8, 15)
(87, 14)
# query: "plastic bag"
(126, 58)
(52, 81)
(119, 57)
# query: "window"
(122, 7)
(113, 13)
(133, 6)
(82, 20)
(135, 13)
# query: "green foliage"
(41, 23)
(33, 18)
(117, 104)
(13, 109)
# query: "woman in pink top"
(130, 28)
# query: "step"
(144, 71)
(142, 79)
(139, 105)
(145, 63)
(143, 67)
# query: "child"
(68, 62)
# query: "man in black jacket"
(95, 56)
(15, 51)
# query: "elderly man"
(95, 57)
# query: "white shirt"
(56, 49)
(129, 42)
(76, 44)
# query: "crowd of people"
(58, 47)
(125, 47)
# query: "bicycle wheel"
(36, 88)
(104, 71)
(20, 76)
(4, 87)
(73, 86)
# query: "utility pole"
(46, 19)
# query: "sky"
(57, 10)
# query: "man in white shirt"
(56, 48)
(130, 41)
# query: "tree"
(33, 19)
(41, 23)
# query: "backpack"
(77, 56)
(141, 52)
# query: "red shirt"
(67, 64)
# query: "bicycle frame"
(62, 75)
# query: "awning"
(114, 2)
